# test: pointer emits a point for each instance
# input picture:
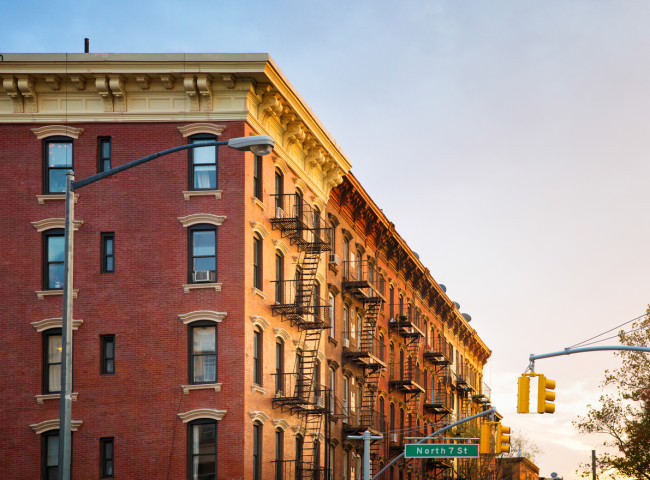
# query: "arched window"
(331, 315)
(203, 163)
(52, 347)
(202, 449)
(332, 387)
(279, 194)
(203, 352)
(279, 277)
(257, 451)
(257, 262)
(391, 301)
(279, 366)
(203, 253)
(300, 442)
(346, 258)
(53, 256)
(279, 454)
(57, 160)
(257, 356)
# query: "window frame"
(279, 190)
(258, 353)
(45, 436)
(192, 354)
(46, 167)
(257, 450)
(105, 358)
(101, 158)
(332, 318)
(105, 256)
(279, 454)
(202, 137)
(279, 365)
(279, 277)
(257, 177)
(47, 334)
(190, 450)
(258, 257)
(105, 459)
(202, 227)
(47, 235)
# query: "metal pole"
(571, 351)
(437, 432)
(65, 423)
(366, 437)
(593, 464)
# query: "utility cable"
(610, 330)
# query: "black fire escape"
(298, 302)
(366, 350)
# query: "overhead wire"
(584, 342)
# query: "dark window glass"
(257, 451)
(279, 190)
(104, 154)
(203, 352)
(52, 348)
(300, 441)
(53, 256)
(202, 450)
(257, 357)
(279, 366)
(257, 262)
(203, 253)
(257, 177)
(203, 164)
(106, 455)
(391, 301)
(50, 455)
(108, 252)
(108, 354)
(57, 160)
(279, 277)
(279, 454)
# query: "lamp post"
(258, 144)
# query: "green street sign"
(433, 450)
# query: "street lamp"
(258, 144)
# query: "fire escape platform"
(436, 358)
(406, 386)
(404, 327)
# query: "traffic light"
(545, 395)
(503, 439)
(486, 437)
(523, 396)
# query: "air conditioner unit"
(203, 276)
(279, 213)
(320, 402)
(334, 259)
(394, 437)
(346, 342)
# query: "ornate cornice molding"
(57, 130)
(50, 223)
(194, 128)
(197, 218)
(211, 413)
(209, 315)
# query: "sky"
(507, 140)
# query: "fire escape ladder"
(369, 419)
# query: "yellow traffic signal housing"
(486, 436)
(503, 439)
(523, 396)
(545, 395)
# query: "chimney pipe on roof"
(86, 45)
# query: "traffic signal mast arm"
(570, 351)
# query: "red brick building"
(234, 316)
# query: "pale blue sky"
(507, 140)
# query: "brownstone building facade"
(234, 316)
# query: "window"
(346, 397)
(106, 457)
(203, 164)
(203, 253)
(332, 385)
(107, 354)
(257, 177)
(203, 352)
(331, 315)
(257, 262)
(57, 156)
(279, 277)
(279, 191)
(279, 366)
(50, 455)
(346, 326)
(330, 475)
(332, 237)
(391, 301)
(53, 255)
(103, 154)
(315, 475)
(52, 348)
(202, 450)
(108, 252)
(257, 356)
(257, 451)
(279, 454)
(346, 258)
(300, 441)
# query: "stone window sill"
(257, 291)
(53, 197)
(201, 386)
(40, 399)
(187, 287)
(202, 193)
(41, 294)
(258, 389)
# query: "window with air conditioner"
(203, 253)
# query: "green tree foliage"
(624, 416)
